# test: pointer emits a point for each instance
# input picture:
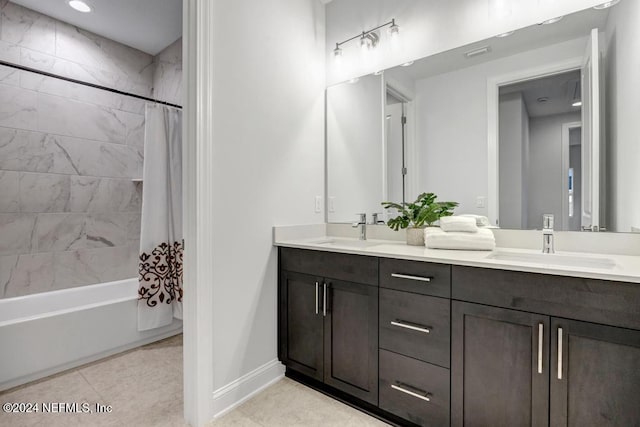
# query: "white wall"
(623, 105)
(546, 177)
(355, 148)
(451, 120)
(427, 27)
(513, 153)
(268, 164)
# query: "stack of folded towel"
(460, 232)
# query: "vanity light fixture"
(368, 39)
(507, 34)
(80, 6)
(606, 5)
(552, 20)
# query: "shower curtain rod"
(80, 82)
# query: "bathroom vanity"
(437, 338)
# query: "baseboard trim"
(235, 393)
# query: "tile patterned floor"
(144, 387)
(288, 403)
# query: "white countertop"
(626, 268)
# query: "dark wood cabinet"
(301, 323)
(436, 344)
(499, 367)
(595, 375)
(351, 339)
(328, 328)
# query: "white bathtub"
(46, 333)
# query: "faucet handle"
(375, 218)
(547, 222)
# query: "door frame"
(493, 116)
(566, 129)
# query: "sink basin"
(554, 259)
(349, 243)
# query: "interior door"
(591, 135)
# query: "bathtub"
(50, 332)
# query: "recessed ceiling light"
(542, 99)
(407, 64)
(379, 72)
(507, 34)
(552, 20)
(80, 6)
(354, 80)
(577, 104)
(606, 5)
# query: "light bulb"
(337, 53)
(606, 5)
(80, 6)
(365, 43)
(394, 30)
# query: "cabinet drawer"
(414, 390)
(350, 268)
(415, 325)
(416, 276)
(597, 301)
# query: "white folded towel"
(436, 238)
(481, 221)
(458, 223)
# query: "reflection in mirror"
(577, 162)
(355, 154)
(539, 152)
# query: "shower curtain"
(161, 241)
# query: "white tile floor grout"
(144, 388)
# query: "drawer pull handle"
(540, 345)
(409, 277)
(420, 395)
(316, 297)
(406, 325)
(559, 353)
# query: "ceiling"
(559, 90)
(147, 25)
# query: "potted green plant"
(415, 216)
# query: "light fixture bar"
(365, 33)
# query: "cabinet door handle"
(559, 353)
(413, 327)
(324, 298)
(317, 297)
(418, 393)
(540, 345)
(409, 277)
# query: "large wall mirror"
(543, 120)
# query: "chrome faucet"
(363, 225)
(547, 234)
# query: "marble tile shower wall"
(69, 212)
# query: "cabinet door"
(301, 323)
(351, 339)
(499, 367)
(595, 375)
